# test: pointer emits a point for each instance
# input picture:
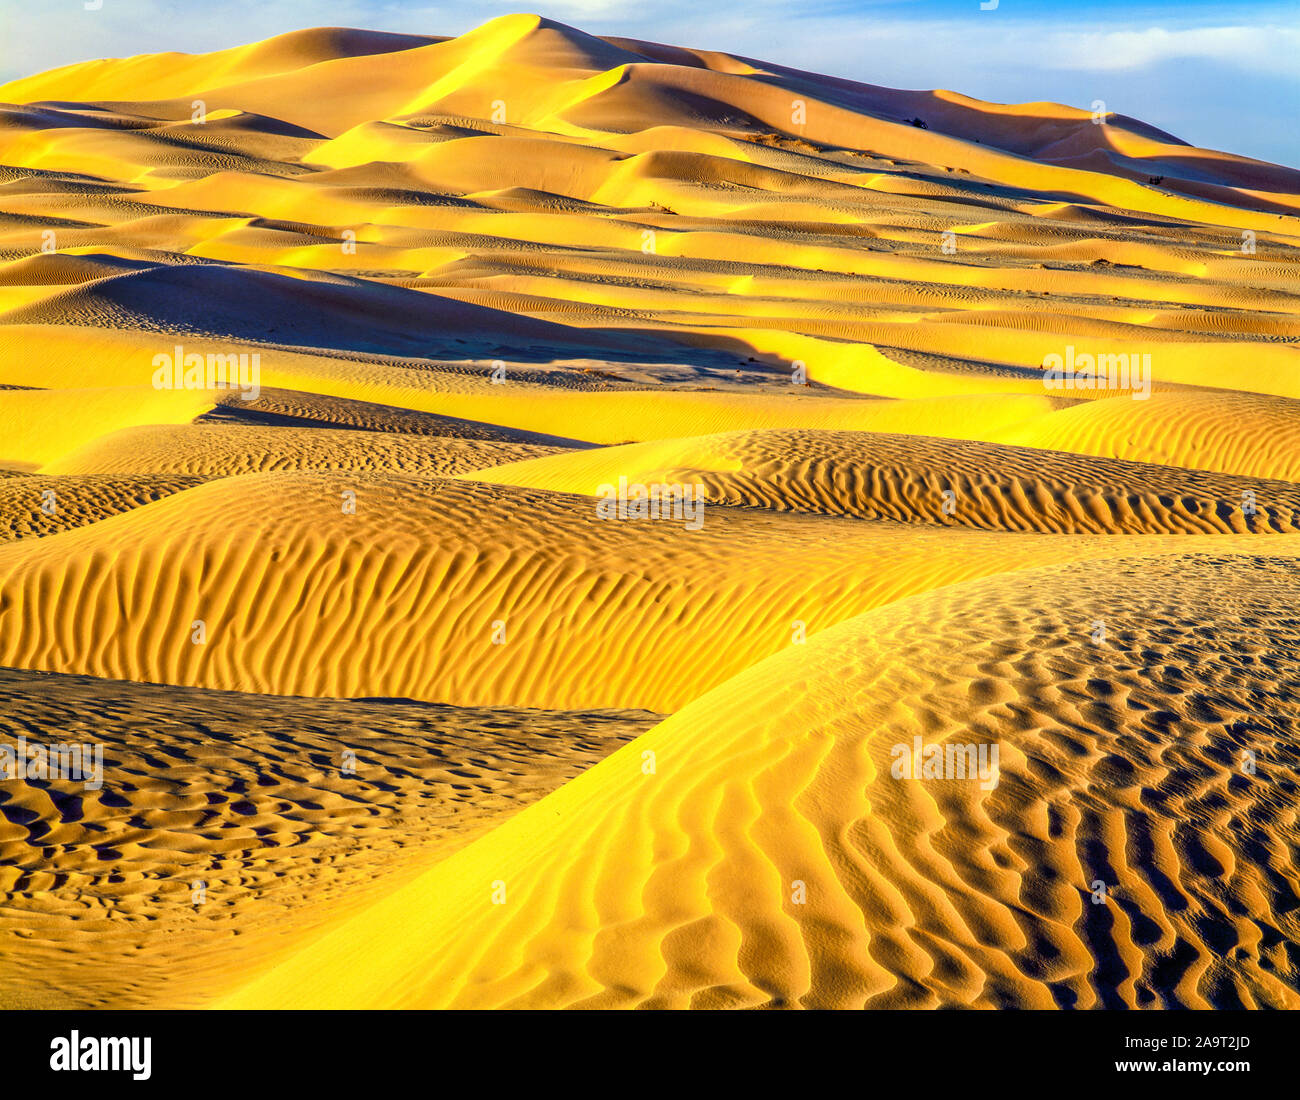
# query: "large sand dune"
(772, 858)
(473, 283)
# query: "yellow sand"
(772, 859)
(474, 282)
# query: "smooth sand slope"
(316, 356)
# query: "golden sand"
(460, 289)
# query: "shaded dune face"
(78, 500)
(265, 806)
(469, 286)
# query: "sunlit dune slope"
(468, 593)
(770, 857)
(38, 426)
(221, 450)
(175, 74)
(1232, 433)
(914, 478)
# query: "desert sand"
(376, 678)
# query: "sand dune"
(792, 215)
(295, 408)
(916, 479)
(41, 425)
(466, 285)
(467, 593)
(220, 450)
(772, 859)
(461, 592)
(257, 805)
(1232, 433)
(34, 506)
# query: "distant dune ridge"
(378, 678)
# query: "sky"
(1219, 75)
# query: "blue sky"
(1221, 75)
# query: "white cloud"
(1255, 49)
